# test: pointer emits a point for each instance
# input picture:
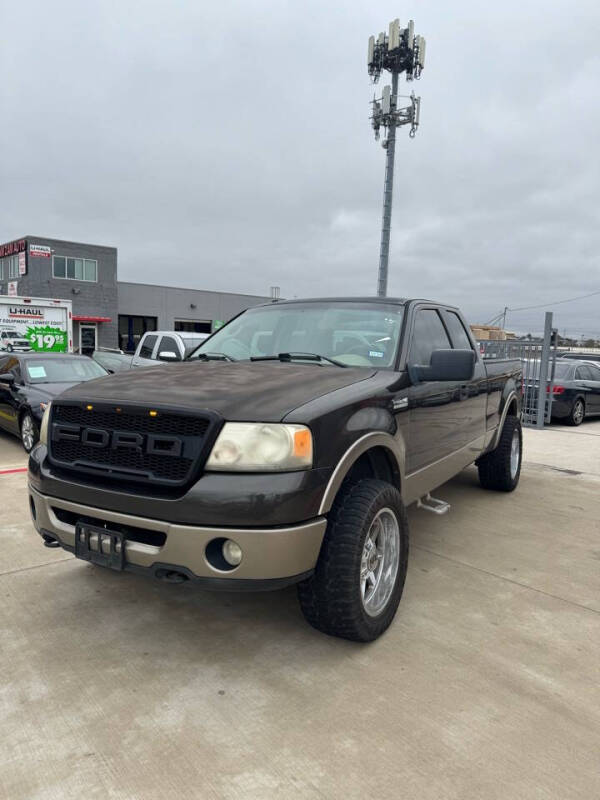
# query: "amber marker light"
(154, 413)
(302, 444)
(89, 408)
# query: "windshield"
(62, 370)
(10, 335)
(355, 334)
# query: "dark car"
(577, 355)
(575, 393)
(111, 361)
(29, 381)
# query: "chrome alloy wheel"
(578, 412)
(379, 562)
(27, 433)
(515, 454)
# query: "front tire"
(30, 432)
(500, 470)
(358, 581)
(577, 413)
(9, 348)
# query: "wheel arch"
(376, 455)
(510, 408)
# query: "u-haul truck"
(36, 324)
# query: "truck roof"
(400, 301)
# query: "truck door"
(473, 393)
(445, 416)
(145, 350)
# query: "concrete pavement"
(486, 686)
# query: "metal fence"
(538, 359)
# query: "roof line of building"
(190, 289)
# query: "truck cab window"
(169, 345)
(147, 347)
(428, 335)
(460, 337)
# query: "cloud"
(228, 146)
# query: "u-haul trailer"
(36, 324)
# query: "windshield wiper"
(298, 357)
(212, 357)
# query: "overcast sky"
(227, 146)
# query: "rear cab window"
(147, 346)
(456, 329)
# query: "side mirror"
(8, 378)
(169, 355)
(446, 365)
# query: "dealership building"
(108, 312)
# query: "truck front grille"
(129, 444)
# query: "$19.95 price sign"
(47, 339)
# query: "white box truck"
(36, 324)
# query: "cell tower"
(399, 51)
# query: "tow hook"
(50, 541)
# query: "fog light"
(232, 552)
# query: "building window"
(193, 326)
(9, 268)
(132, 328)
(75, 269)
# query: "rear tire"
(358, 581)
(577, 413)
(500, 470)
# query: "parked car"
(112, 361)
(576, 392)
(577, 355)
(12, 341)
(28, 382)
(158, 347)
(284, 450)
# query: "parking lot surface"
(487, 685)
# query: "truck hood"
(242, 391)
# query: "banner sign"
(12, 289)
(44, 327)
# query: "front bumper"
(272, 557)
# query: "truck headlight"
(44, 425)
(261, 447)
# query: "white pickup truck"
(156, 347)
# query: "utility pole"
(399, 51)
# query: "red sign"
(12, 248)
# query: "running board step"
(429, 503)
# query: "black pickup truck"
(285, 450)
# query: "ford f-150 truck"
(284, 450)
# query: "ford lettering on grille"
(168, 448)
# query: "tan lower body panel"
(267, 554)
(418, 484)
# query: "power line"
(556, 302)
(499, 316)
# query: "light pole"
(399, 51)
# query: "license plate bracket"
(100, 545)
